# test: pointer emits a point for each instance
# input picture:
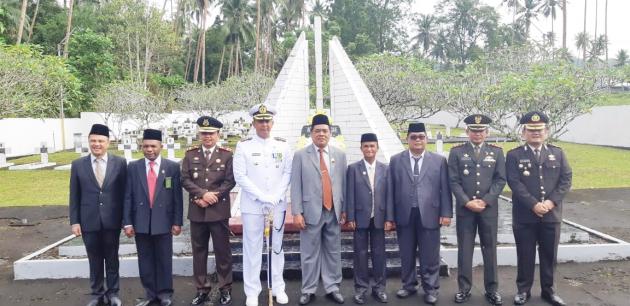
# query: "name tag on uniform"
(168, 182)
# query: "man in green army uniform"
(208, 178)
(477, 178)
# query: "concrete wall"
(354, 109)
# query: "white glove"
(268, 199)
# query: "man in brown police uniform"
(208, 178)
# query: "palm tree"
(606, 28)
(584, 39)
(68, 30)
(30, 29)
(598, 46)
(564, 24)
(548, 8)
(425, 36)
(582, 42)
(238, 15)
(320, 9)
(527, 13)
(622, 58)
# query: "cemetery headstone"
(171, 146)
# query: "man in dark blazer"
(318, 187)
(153, 212)
(208, 177)
(97, 190)
(420, 197)
(366, 203)
(540, 177)
(477, 177)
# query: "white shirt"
(413, 162)
(156, 167)
(102, 164)
(204, 149)
(371, 169)
(326, 156)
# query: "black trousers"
(527, 236)
(102, 248)
(410, 238)
(155, 263)
(373, 239)
(200, 233)
(467, 227)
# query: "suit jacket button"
(477, 192)
(542, 187)
(100, 204)
(478, 183)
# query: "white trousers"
(253, 232)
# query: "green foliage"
(35, 85)
(91, 60)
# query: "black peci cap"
(368, 137)
(99, 129)
(151, 134)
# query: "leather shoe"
(404, 293)
(336, 297)
(462, 296)
(306, 298)
(359, 298)
(553, 299)
(115, 301)
(166, 302)
(225, 297)
(430, 299)
(199, 299)
(380, 296)
(521, 298)
(494, 298)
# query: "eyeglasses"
(417, 137)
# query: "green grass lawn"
(615, 99)
(593, 167)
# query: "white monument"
(43, 160)
(3, 156)
(127, 147)
(319, 98)
(171, 146)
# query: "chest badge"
(195, 175)
(218, 160)
(466, 172)
(526, 172)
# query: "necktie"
(207, 153)
(98, 172)
(416, 170)
(477, 151)
(537, 154)
(151, 181)
(326, 184)
(371, 177)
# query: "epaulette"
(246, 139)
(226, 149)
(280, 139)
(192, 148)
(496, 146)
(554, 146)
(459, 145)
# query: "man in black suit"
(97, 190)
(153, 212)
(477, 176)
(540, 177)
(366, 203)
(420, 197)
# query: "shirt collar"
(326, 149)
(480, 145)
(421, 155)
(203, 149)
(93, 158)
(157, 161)
(368, 165)
(260, 139)
(543, 147)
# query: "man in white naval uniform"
(262, 168)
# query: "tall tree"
(426, 25)
(527, 13)
(238, 16)
(548, 9)
(33, 21)
(582, 42)
(22, 21)
(564, 24)
(622, 58)
(606, 28)
(68, 29)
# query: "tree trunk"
(139, 75)
(231, 60)
(129, 56)
(606, 29)
(22, 20)
(584, 47)
(596, 7)
(188, 58)
(221, 65)
(68, 30)
(257, 35)
(30, 29)
(564, 24)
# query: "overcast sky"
(618, 21)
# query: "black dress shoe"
(225, 297)
(336, 297)
(462, 296)
(359, 298)
(404, 293)
(430, 299)
(306, 298)
(553, 299)
(521, 298)
(494, 298)
(199, 299)
(380, 296)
